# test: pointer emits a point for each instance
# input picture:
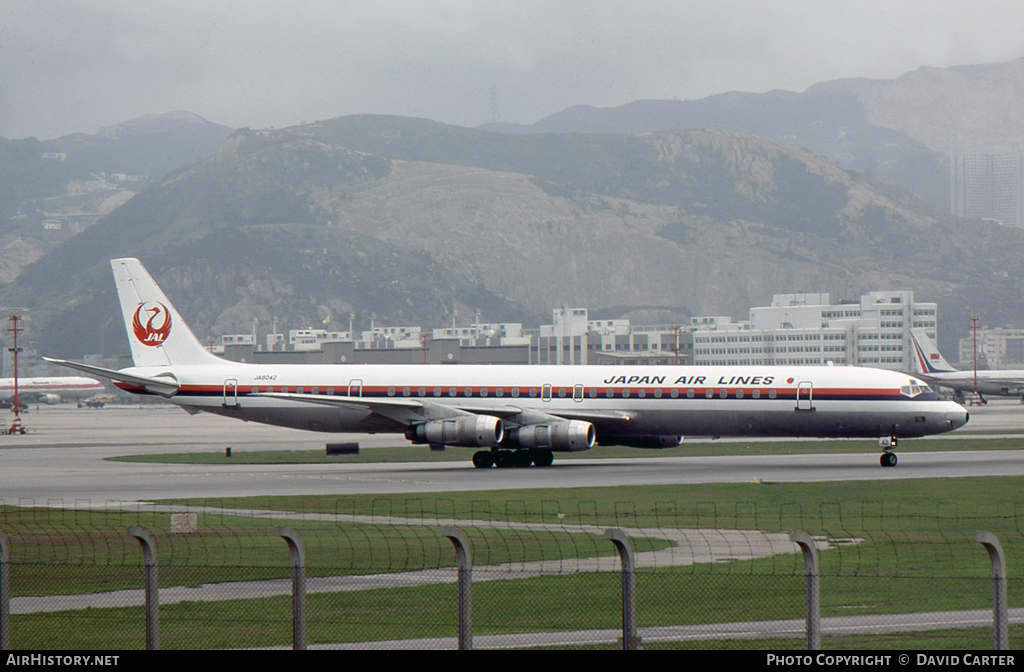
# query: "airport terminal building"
(796, 329)
(571, 339)
(808, 329)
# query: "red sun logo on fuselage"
(154, 332)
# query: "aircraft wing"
(164, 386)
(406, 411)
(593, 416)
(343, 402)
(413, 411)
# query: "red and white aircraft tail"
(927, 358)
(157, 334)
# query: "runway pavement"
(62, 459)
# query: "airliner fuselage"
(622, 402)
(535, 410)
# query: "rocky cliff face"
(15, 254)
(76, 179)
(963, 109)
(900, 130)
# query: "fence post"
(812, 584)
(1001, 635)
(5, 595)
(298, 585)
(630, 638)
(464, 561)
(148, 545)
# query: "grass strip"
(904, 506)
(505, 607)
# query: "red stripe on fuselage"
(491, 391)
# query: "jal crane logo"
(154, 332)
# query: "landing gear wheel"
(887, 460)
(482, 459)
(504, 459)
(522, 458)
(543, 458)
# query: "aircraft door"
(577, 393)
(230, 393)
(545, 392)
(355, 388)
(804, 396)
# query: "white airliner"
(535, 410)
(49, 390)
(935, 370)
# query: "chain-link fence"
(385, 574)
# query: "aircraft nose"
(957, 418)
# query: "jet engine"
(50, 398)
(476, 430)
(567, 437)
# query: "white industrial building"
(808, 329)
(796, 329)
(571, 339)
(998, 348)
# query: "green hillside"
(412, 220)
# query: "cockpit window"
(911, 390)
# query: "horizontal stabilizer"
(164, 386)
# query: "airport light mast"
(973, 325)
(15, 328)
(425, 344)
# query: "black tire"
(522, 458)
(482, 459)
(888, 460)
(504, 459)
(543, 458)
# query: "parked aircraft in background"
(936, 371)
(518, 415)
(50, 390)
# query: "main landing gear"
(503, 459)
(887, 444)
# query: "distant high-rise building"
(810, 330)
(988, 186)
(998, 348)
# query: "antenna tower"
(974, 324)
(15, 328)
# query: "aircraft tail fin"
(927, 358)
(156, 333)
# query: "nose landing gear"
(887, 444)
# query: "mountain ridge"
(415, 220)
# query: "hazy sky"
(82, 64)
